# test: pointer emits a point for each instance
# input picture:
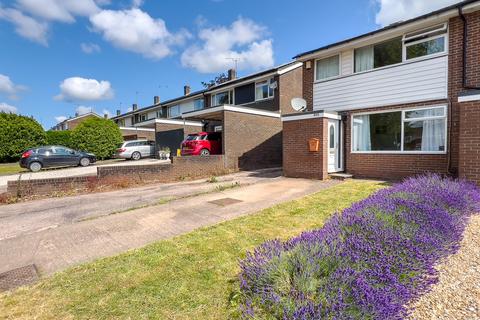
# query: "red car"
(202, 144)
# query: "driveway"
(69, 172)
(55, 234)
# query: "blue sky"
(61, 55)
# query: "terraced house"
(245, 110)
(394, 102)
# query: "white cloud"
(80, 110)
(4, 107)
(58, 10)
(7, 86)
(26, 26)
(136, 31)
(60, 119)
(90, 48)
(392, 11)
(81, 89)
(244, 40)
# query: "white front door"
(335, 163)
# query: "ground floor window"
(415, 130)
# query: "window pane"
(422, 113)
(332, 137)
(364, 59)
(261, 91)
(426, 48)
(198, 104)
(424, 135)
(222, 98)
(327, 68)
(387, 53)
(377, 132)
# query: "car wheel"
(84, 162)
(35, 166)
(136, 156)
(204, 153)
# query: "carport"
(251, 138)
(169, 133)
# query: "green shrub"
(60, 138)
(18, 133)
(97, 135)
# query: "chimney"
(156, 100)
(134, 107)
(76, 114)
(232, 74)
(186, 90)
(105, 116)
(118, 112)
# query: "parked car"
(55, 156)
(202, 144)
(136, 150)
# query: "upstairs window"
(425, 42)
(198, 104)
(143, 117)
(222, 98)
(327, 68)
(378, 55)
(264, 90)
(174, 111)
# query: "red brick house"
(395, 102)
(72, 122)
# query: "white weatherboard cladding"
(347, 62)
(409, 82)
(186, 106)
(128, 121)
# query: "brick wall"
(290, 86)
(179, 169)
(251, 141)
(72, 124)
(298, 161)
(465, 116)
(308, 78)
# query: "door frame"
(339, 161)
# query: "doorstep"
(340, 176)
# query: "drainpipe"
(465, 42)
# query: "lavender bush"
(367, 262)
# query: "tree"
(18, 133)
(221, 78)
(97, 135)
(60, 138)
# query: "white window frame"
(158, 114)
(143, 117)
(269, 83)
(404, 48)
(406, 45)
(329, 78)
(170, 111)
(230, 98)
(403, 120)
(195, 107)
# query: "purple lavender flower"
(367, 262)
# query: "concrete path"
(70, 172)
(73, 240)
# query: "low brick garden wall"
(181, 168)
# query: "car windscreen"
(195, 137)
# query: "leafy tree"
(97, 135)
(60, 138)
(221, 78)
(18, 133)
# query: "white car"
(136, 150)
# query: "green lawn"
(10, 168)
(193, 276)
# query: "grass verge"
(193, 276)
(10, 168)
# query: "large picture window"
(419, 130)
(198, 104)
(174, 111)
(378, 55)
(327, 68)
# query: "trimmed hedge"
(60, 138)
(97, 135)
(18, 133)
(368, 262)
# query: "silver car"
(136, 150)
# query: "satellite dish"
(273, 85)
(299, 104)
